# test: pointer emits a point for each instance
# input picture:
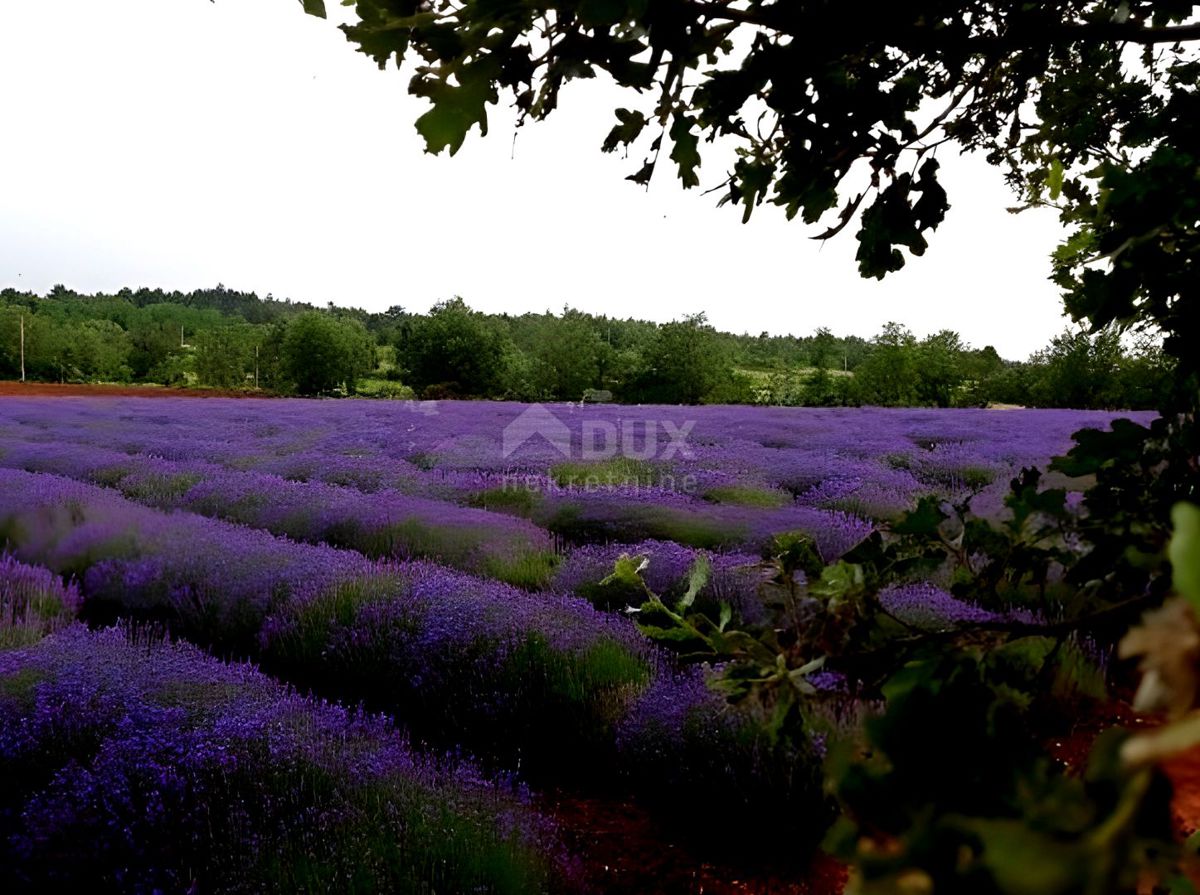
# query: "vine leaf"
(697, 578)
(456, 108)
(629, 126)
(686, 152)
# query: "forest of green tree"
(227, 339)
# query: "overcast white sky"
(182, 143)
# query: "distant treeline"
(234, 340)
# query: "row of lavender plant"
(742, 469)
(387, 524)
(33, 602)
(538, 681)
(381, 524)
(140, 766)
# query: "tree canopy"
(321, 353)
(836, 111)
(455, 349)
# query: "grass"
(516, 500)
(454, 847)
(311, 624)
(383, 388)
(158, 487)
(470, 549)
(637, 522)
(530, 571)
(561, 726)
(19, 685)
(747, 496)
(615, 471)
(865, 508)
(15, 637)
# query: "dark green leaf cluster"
(813, 96)
(950, 787)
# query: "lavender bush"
(134, 768)
(535, 680)
(504, 670)
(305, 534)
(382, 523)
(33, 602)
(532, 680)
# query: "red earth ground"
(71, 389)
(1183, 769)
(626, 853)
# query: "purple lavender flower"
(33, 602)
(160, 769)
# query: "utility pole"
(22, 347)
(256, 368)
(181, 335)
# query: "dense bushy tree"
(939, 364)
(822, 348)
(225, 355)
(154, 341)
(1079, 370)
(889, 374)
(321, 353)
(453, 351)
(681, 365)
(566, 356)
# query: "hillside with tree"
(221, 338)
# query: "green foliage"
(226, 339)
(682, 365)
(453, 352)
(889, 375)
(566, 356)
(972, 804)
(321, 353)
(516, 500)
(531, 570)
(747, 496)
(225, 356)
(616, 471)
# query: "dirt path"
(625, 852)
(75, 390)
(1183, 770)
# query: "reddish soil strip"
(1183, 770)
(624, 852)
(75, 390)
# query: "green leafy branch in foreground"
(950, 786)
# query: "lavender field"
(284, 645)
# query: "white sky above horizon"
(183, 143)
